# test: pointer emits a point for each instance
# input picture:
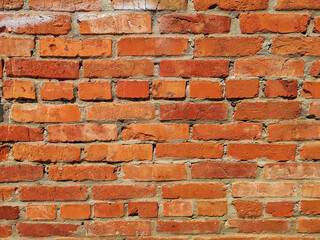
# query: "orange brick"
(41, 212)
(16, 47)
(95, 91)
(177, 208)
(296, 5)
(46, 229)
(248, 208)
(205, 89)
(65, 5)
(20, 173)
(212, 208)
(308, 226)
(149, 5)
(189, 227)
(108, 210)
(143, 209)
(169, 89)
(6, 192)
(280, 209)
(4, 153)
(14, 89)
(133, 89)
(281, 88)
(11, 5)
(258, 226)
(56, 91)
(75, 211)
(242, 88)
(237, 5)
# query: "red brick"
(177, 208)
(267, 67)
(20, 133)
(45, 113)
(157, 172)
(308, 225)
(15, 89)
(16, 47)
(295, 131)
(20, 173)
(264, 189)
(274, 23)
(123, 228)
(237, 5)
(292, 171)
(117, 68)
(133, 89)
(75, 211)
(143, 209)
(156, 132)
(6, 193)
(149, 4)
(118, 111)
(205, 89)
(189, 227)
(194, 68)
(296, 5)
(194, 24)
(4, 153)
(82, 133)
(35, 24)
(230, 131)
(115, 192)
(276, 152)
(118, 153)
(314, 110)
(152, 46)
(242, 88)
(9, 212)
(268, 110)
(281, 88)
(258, 226)
(236, 237)
(223, 170)
(316, 27)
(95, 91)
(82, 172)
(1, 69)
(5, 230)
(41, 212)
(46, 153)
(212, 208)
(46, 229)
(226, 47)
(11, 5)
(193, 111)
(194, 191)
(53, 193)
(42, 68)
(315, 69)
(248, 208)
(189, 150)
(286, 238)
(56, 91)
(306, 46)
(115, 23)
(280, 209)
(65, 47)
(311, 190)
(310, 151)
(65, 5)
(311, 90)
(108, 210)
(169, 89)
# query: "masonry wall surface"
(160, 119)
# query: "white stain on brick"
(13, 23)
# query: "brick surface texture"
(160, 119)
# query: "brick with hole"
(248, 208)
(194, 24)
(281, 88)
(143, 209)
(310, 89)
(316, 26)
(280, 209)
(242, 88)
(212, 208)
(109, 23)
(133, 89)
(189, 227)
(168, 89)
(149, 4)
(315, 69)
(108, 210)
(41, 212)
(95, 91)
(206, 89)
(314, 110)
(236, 5)
(65, 5)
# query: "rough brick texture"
(160, 119)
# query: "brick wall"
(160, 119)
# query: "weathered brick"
(194, 68)
(108, 210)
(33, 68)
(292, 171)
(75, 211)
(82, 133)
(212, 208)
(296, 5)
(274, 23)
(115, 23)
(18, 133)
(46, 153)
(311, 190)
(226, 47)
(316, 27)
(248, 208)
(205, 89)
(56, 91)
(189, 150)
(268, 110)
(177, 208)
(281, 88)
(280, 209)
(16, 47)
(237, 5)
(258, 226)
(169, 89)
(143, 209)
(6, 193)
(95, 91)
(46, 229)
(4, 153)
(133, 89)
(310, 151)
(9, 212)
(20, 173)
(308, 225)
(311, 90)
(53, 193)
(41, 212)
(115, 192)
(194, 191)
(189, 227)
(118, 153)
(149, 4)
(194, 24)
(82, 172)
(242, 88)
(11, 5)
(15, 89)
(314, 110)
(315, 69)
(5, 230)
(304, 46)
(65, 5)
(267, 67)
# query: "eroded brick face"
(160, 119)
